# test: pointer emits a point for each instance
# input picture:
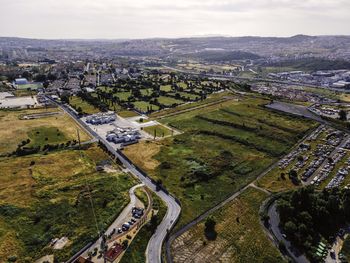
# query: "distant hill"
(215, 56)
(314, 64)
(206, 48)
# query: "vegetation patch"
(231, 234)
(217, 150)
(44, 197)
(309, 217)
(158, 131)
(11, 123)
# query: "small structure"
(101, 118)
(21, 81)
(114, 252)
(125, 136)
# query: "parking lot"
(323, 159)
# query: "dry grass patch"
(13, 130)
(142, 154)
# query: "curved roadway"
(154, 247)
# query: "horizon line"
(182, 37)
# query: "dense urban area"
(212, 149)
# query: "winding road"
(117, 222)
(154, 247)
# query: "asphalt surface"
(154, 247)
(274, 220)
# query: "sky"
(120, 19)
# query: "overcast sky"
(172, 18)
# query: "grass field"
(144, 106)
(10, 124)
(46, 135)
(216, 97)
(43, 197)
(240, 237)
(32, 86)
(166, 88)
(127, 114)
(158, 130)
(221, 148)
(85, 106)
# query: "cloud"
(171, 18)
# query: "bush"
(209, 231)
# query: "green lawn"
(158, 130)
(32, 86)
(168, 100)
(123, 95)
(166, 88)
(43, 197)
(127, 114)
(144, 106)
(146, 92)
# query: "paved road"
(154, 247)
(274, 222)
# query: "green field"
(43, 197)
(240, 237)
(86, 107)
(221, 148)
(158, 130)
(144, 106)
(46, 135)
(127, 114)
(124, 95)
(31, 86)
(168, 100)
(166, 88)
(146, 92)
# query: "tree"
(209, 231)
(342, 115)
(290, 228)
